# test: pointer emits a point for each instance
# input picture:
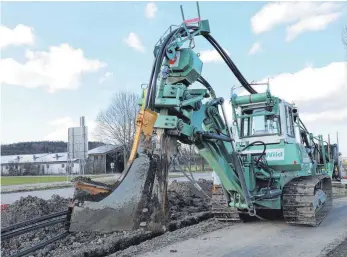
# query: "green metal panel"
(167, 102)
(226, 175)
(247, 99)
(198, 118)
(187, 68)
(281, 156)
(165, 121)
(172, 91)
(249, 175)
(205, 27)
(186, 129)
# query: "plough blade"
(138, 201)
(139, 197)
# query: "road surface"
(10, 198)
(264, 238)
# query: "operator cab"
(270, 120)
(259, 125)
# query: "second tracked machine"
(266, 159)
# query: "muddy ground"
(186, 205)
(184, 201)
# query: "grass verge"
(22, 180)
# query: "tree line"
(37, 147)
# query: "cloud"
(315, 23)
(211, 56)
(303, 16)
(150, 10)
(61, 67)
(134, 41)
(256, 47)
(320, 95)
(61, 126)
(20, 35)
(330, 116)
(328, 123)
(309, 83)
(108, 75)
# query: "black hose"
(29, 222)
(155, 70)
(31, 228)
(207, 85)
(230, 64)
(40, 245)
(262, 154)
(150, 99)
(209, 135)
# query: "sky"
(63, 60)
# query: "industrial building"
(99, 161)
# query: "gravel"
(172, 237)
(339, 251)
(184, 201)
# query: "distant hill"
(39, 147)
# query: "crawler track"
(220, 213)
(298, 200)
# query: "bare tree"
(189, 157)
(117, 123)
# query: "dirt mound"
(184, 200)
(31, 207)
(187, 189)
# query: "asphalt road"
(9, 198)
(264, 238)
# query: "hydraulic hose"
(152, 86)
(150, 98)
(207, 85)
(230, 64)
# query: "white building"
(98, 161)
(36, 164)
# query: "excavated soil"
(30, 207)
(187, 206)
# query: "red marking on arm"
(192, 20)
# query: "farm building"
(99, 161)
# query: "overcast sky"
(63, 60)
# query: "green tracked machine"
(266, 159)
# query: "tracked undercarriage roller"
(307, 200)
